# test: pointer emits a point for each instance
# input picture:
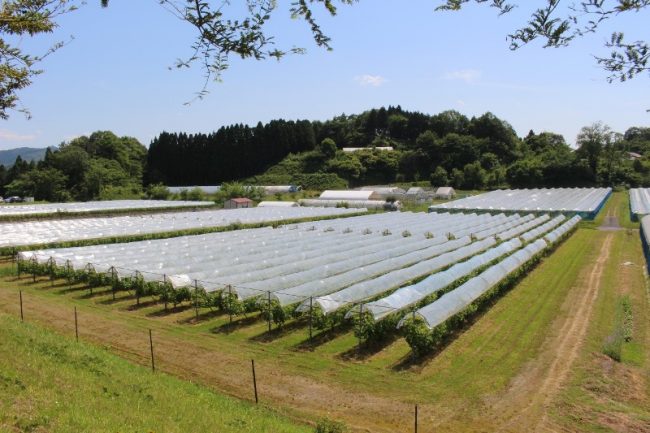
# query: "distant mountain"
(7, 157)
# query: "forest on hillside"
(448, 148)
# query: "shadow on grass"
(237, 324)
(142, 304)
(365, 351)
(279, 331)
(119, 297)
(97, 292)
(203, 317)
(322, 337)
(169, 311)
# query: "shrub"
(613, 346)
(328, 426)
(157, 191)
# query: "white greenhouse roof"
(50, 231)
(95, 206)
(297, 262)
(640, 201)
(208, 189)
(278, 204)
(533, 200)
(346, 195)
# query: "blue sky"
(115, 74)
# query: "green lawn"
(50, 383)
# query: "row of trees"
(101, 166)
(445, 149)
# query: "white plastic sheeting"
(409, 295)
(553, 236)
(533, 200)
(538, 231)
(252, 262)
(42, 232)
(376, 286)
(208, 189)
(640, 201)
(346, 195)
(457, 300)
(95, 206)
(368, 204)
(278, 204)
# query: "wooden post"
(113, 280)
(359, 321)
(416, 418)
(230, 304)
(22, 318)
(196, 299)
(51, 272)
(311, 311)
(76, 325)
(269, 315)
(254, 380)
(153, 364)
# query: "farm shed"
(238, 203)
(445, 192)
(278, 204)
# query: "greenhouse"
(463, 296)
(639, 202)
(367, 204)
(55, 231)
(586, 202)
(399, 277)
(296, 262)
(96, 206)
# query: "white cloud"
(12, 136)
(371, 80)
(460, 103)
(469, 76)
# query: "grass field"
(479, 382)
(51, 383)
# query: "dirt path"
(529, 398)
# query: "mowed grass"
(48, 382)
(604, 395)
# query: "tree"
(558, 26)
(219, 35)
(328, 148)
(439, 177)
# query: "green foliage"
(623, 329)
(326, 425)
(439, 177)
(327, 148)
(107, 387)
(420, 338)
(157, 191)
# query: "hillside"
(54, 384)
(7, 157)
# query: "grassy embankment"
(48, 382)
